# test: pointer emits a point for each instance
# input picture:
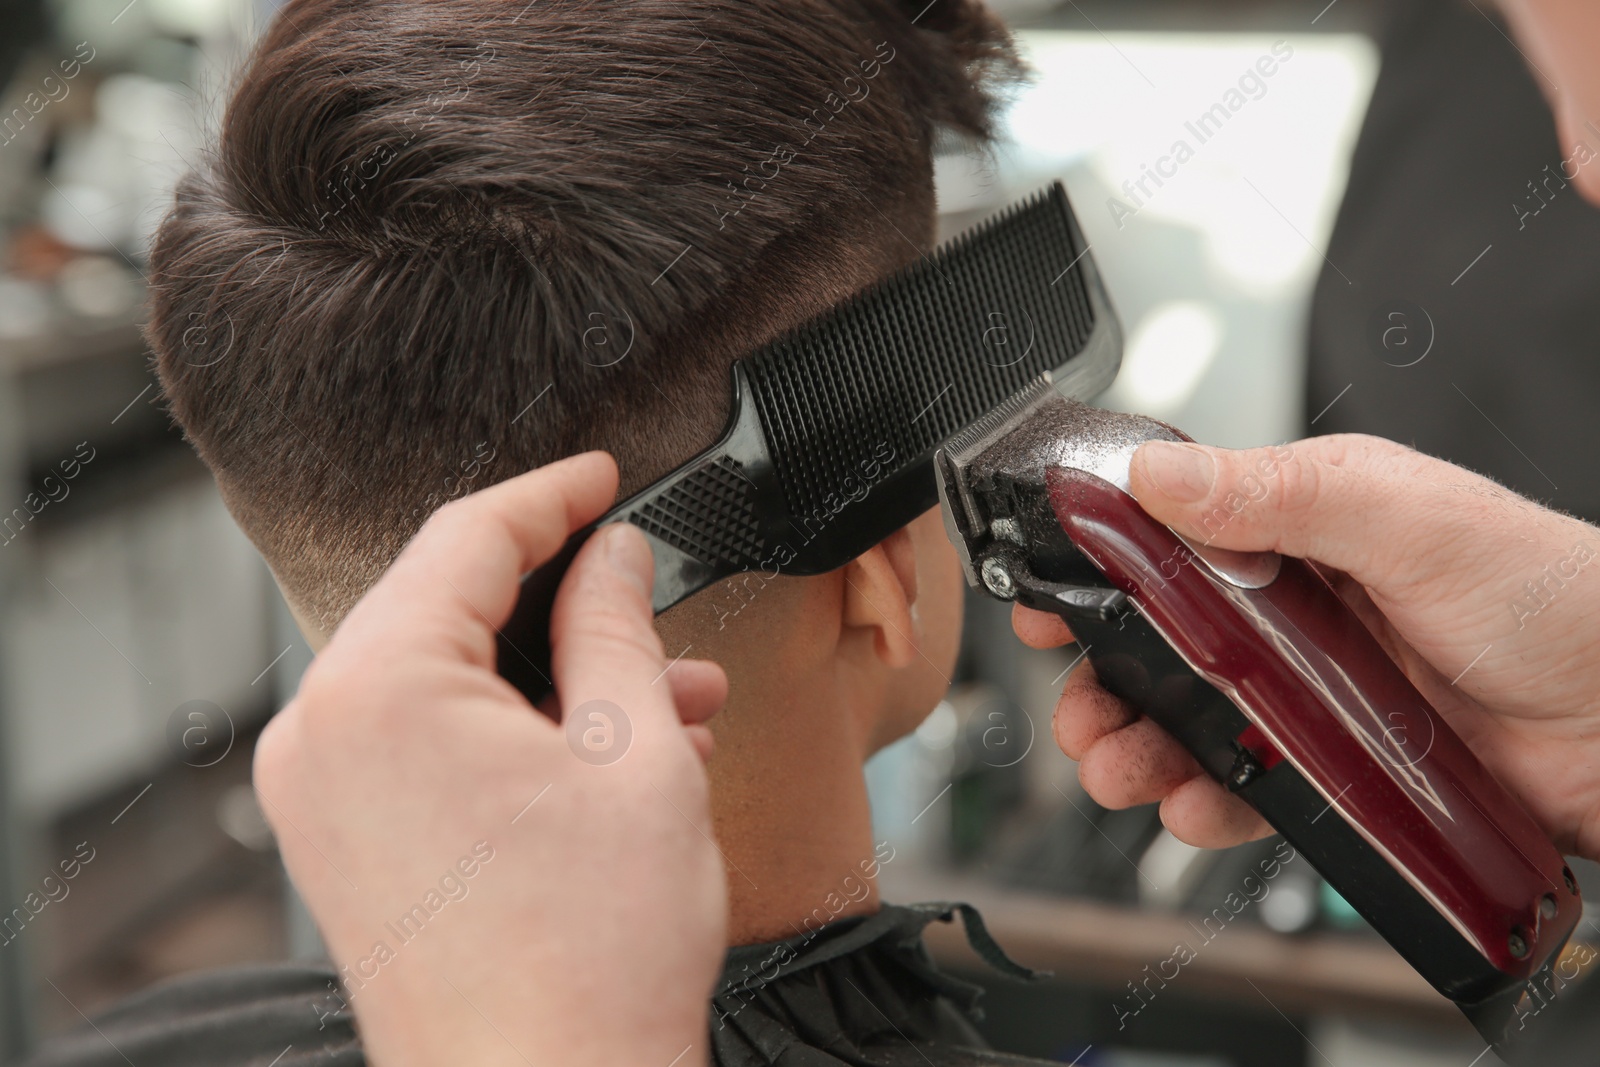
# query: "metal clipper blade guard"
(1256, 666)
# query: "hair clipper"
(1254, 663)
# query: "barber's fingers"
(604, 646)
(1137, 764)
(457, 581)
(1124, 760)
(1086, 713)
(1362, 504)
(699, 687)
(1039, 629)
(1204, 814)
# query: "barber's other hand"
(491, 896)
(1489, 602)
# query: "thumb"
(605, 655)
(1360, 504)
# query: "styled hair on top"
(440, 243)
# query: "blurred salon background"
(1377, 238)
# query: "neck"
(789, 800)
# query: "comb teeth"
(925, 353)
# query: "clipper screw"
(997, 579)
(1246, 769)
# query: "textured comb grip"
(711, 514)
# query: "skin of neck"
(789, 797)
(823, 671)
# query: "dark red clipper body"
(1321, 693)
(1257, 666)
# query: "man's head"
(441, 243)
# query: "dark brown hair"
(442, 242)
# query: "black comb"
(830, 442)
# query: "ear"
(879, 592)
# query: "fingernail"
(629, 554)
(1183, 472)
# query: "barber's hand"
(491, 896)
(1490, 603)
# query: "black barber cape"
(860, 992)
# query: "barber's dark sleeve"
(282, 1016)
